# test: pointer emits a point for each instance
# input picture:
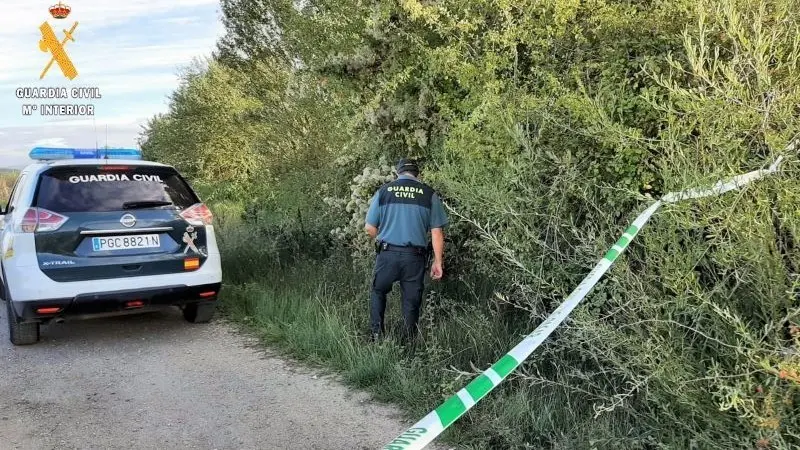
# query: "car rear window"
(109, 188)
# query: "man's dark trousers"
(409, 269)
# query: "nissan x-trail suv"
(92, 232)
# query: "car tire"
(25, 333)
(199, 312)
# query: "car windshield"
(101, 189)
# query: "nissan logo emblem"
(128, 220)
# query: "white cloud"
(131, 119)
(50, 142)
(23, 64)
(19, 14)
(179, 20)
(132, 50)
(112, 85)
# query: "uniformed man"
(401, 214)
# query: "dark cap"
(407, 165)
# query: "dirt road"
(156, 382)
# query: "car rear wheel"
(199, 312)
(25, 333)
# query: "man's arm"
(438, 222)
(437, 234)
(373, 217)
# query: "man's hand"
(371, 230)
(436, 270)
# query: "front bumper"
(117, 301)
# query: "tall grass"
(317, 311)
(6, 183)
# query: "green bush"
(547, 127)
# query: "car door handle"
(132, 267)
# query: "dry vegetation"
(6, 183)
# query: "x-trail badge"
(128, 220)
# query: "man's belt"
(384, 246)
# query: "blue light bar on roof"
(49, 153)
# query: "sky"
(132, 50)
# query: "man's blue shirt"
(404, 211)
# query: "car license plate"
(101, 244)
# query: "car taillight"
(29, 222)
(38, 219)
(198, 215)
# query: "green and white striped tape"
(432, 425)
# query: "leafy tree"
(546, 126)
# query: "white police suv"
(102, 231)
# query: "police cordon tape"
(426, 430)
